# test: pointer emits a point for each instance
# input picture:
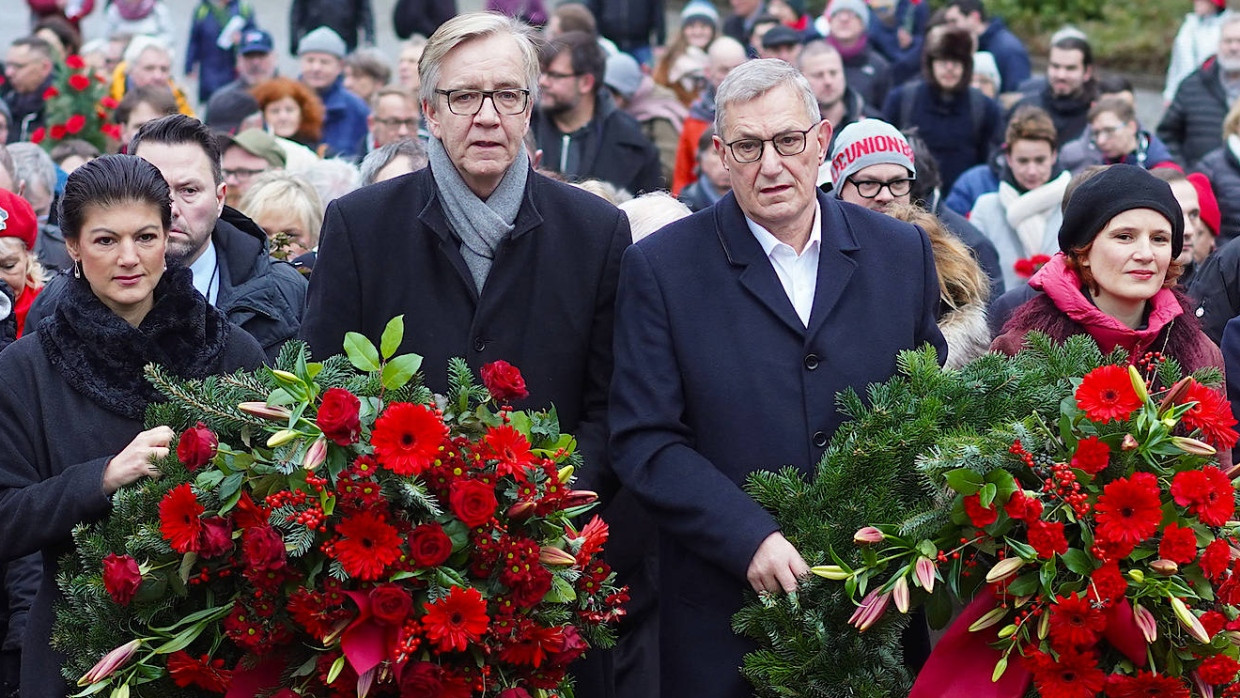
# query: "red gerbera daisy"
(1129, 510)
(204, 672)
(1212, 415)
(1073, 675)
(1178, 545)
(456, 620)
(1146, 685)
(1075, 623)
(1207, 492)
(407, 438)
(509, 448)
(367, 545)
(180, 519)
(1092, 455)
(593, 536)
(1106, 393)
(1218, 670)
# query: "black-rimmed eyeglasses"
(788, 143)
(869, 188)
(510, 101)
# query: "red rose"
(390, 604)
(1047, 538)
(473, 502)
(264, 549)
(429, 546)
(979, 515)
(574, 646)
(50, 92)
(121, 577)
(75, 123)
(421, 679)
(338, 416)
(216, 537)
(504, 381)
(40, 133)
(74, 62)
(58, 132)
(79, 82)
(533, 589)
(197, 446)
(108, 103)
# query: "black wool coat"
(58, 436)
(1193, 123)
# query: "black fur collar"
(102, 356)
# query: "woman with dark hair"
(74, 396)
(1115, 273)
(291, 110)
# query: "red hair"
(276, 89)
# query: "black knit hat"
(1109, 193)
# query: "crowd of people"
(689, 238)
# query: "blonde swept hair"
(961, 279)
(281, 190)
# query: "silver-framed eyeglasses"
(869, 188)
(509, 101)
(788, 143)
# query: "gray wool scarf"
(481, 225)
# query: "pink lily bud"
(1175, 394)
(868, 535)
(1129, 443)
(1189, 621)
(521, 511)
(1145, 621)
(1204, 689)
(264, 411)
(316, 454)
(364, 682)
(1164, 567)
(899, 594)
(549, 555)
(111, 661)
(924, 570)
(1193, 446)
(871, 609)
(576, 498)
(1003, 569)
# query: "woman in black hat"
(1114, 275)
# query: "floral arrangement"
(76, 106)
(1026, 267)
(1097, 551)
(327, 530)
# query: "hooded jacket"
(1193, 123)
(1222, 167)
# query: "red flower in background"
(79, 82)
(339, 416)
(473, 502)
(979, 515)
(1075, 623)
(509, 448)
(263, 549)
(75, 123)
(1146, 685)
(1022, 506)
(216, 536)
(367, 545)
(1207, 492)
(1107, 583)
(407, 438)
(108, 102)
(1047, 538)
(39, 134)
(205, 673)
(429, 546)
(1106, 393)
(1092, 455)
(504, 381)
(1215, 559)
(432, 681)
(58, 132)
(1212, 415)
(1074, 675)
(1218, 670)
(197, 446)
(121, 577)
(1129, 510)
(179, 521)
(456, 620)
(1178, 545)
(74, 62)
(390, 604)
(50, 93)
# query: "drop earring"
(77, 269)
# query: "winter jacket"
(25, 109)
(423, 17)
(344, 121)
(1070, 114)
(84, 367)
(984, 251)
(966, 333)
(52, 8)
(1081, 153)
(867, 72)
(700, 195)
(969, 186)
(158, 23)
(911, 16)
(262, 296)
(216, 66)
(701, 117)
(345, 17)
(1216, 288)
(630, 23)
(946, 122)
(120, 85)
(662, 118)
(611, 147)
(1062, 310)
(1194, 44)
(1010, 54)
(1000, 216)
(1222, 168)
(1193, 123)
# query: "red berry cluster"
(1062, 484)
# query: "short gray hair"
(140, 44)
(380, 158)
(752, 79)
(476, 25)
(32, 164)
(650, 212)
(332, 178)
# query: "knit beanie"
(322, 40)
(984, 64)
(868, 142)
(857, 7)
(623, 74)
(700, 11)
(17, 219)
(1210, 214)
(1109, 193)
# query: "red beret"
(17, 219)
(1209, 203)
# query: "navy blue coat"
(716, 377)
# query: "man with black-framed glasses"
(582, 132)
(872, 165)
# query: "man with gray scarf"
(485, 258)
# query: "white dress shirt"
(797, 272)
(206, 270)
